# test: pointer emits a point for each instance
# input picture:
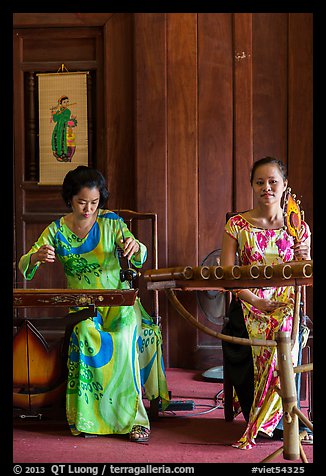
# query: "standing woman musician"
(258, 237)
(105, 376)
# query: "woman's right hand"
(45, 254)
(267, 305)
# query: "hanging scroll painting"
(63, 140)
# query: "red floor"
(197, 436)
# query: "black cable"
(216, 406)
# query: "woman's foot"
(139, 434)
(308, 439)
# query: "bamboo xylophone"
(221, 278)
(291, 269)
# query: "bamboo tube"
(267, 271)
(303, 368)
(216, 272)
(296, 315)
(201, 272)
(291, 447)
(303, 455)
(283, 270)
(231, 272)
(254, 271)
(273, 455)
(279, 451)
(303, 418)
(165, 274)
(301, 269)
(249, 271)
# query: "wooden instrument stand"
(197, 279)
(39, 373)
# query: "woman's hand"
(262, 304)
(267, 305)
(45, 254)
(130, 247)
(301, 250)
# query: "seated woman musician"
(258, 236)
(107, 364)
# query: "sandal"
(139, 434)
(308, 439)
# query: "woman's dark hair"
(268, 160)
(81, 177)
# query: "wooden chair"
(133, 219)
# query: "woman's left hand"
(301, 250)
(131, 247)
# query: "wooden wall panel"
(151, 135)
(182, 179)
(300, 119)
(50, 20)
(243, 105)
(300, 110)
(215, 128)
(215, 144)
(19, 146)
(151, 120)
(42, 199)
(78, 48)
(270, 56)
(118, 164)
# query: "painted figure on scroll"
(258, 236)
(63, 137)
(115, 357)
